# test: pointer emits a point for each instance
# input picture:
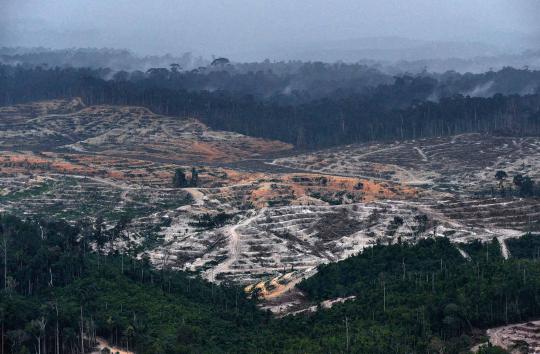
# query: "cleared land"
(456, 164)
(266, 226)
(123, 131)
(516, 338)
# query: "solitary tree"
(194, 178)
(525, 185)
(179, 179)
(220, 62)
(501, 176)
(518, 180)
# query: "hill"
(123, 131)
(60, 295)
(243, 214)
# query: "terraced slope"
(511, 213)
(258, 225)
(290, 241)
(451, 164)
(123, 131)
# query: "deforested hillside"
(269, 177)
(459, 163)
(406, 107)
(222, 205)
(123, 131)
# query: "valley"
(265, 225)
(269, 177)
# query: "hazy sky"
(245, 27)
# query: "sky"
(253, 29)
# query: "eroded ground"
(123, 131)
(453, 164)
(516, 338)
(259, 225)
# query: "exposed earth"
(265, 224)
(516, 338)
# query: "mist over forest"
(125, 60)
(308, 104)
(270, 176)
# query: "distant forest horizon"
(394, 59)
(308, 104)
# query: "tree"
(175, 68)
(17, 337)
(501, 176)
(518, 180)
(116, 231)
(179, 179)
(4, 249)
(37, 328)
(121, 76)
(128, 334)
(158, 74)
(220, 62)
(99, 233)
(194, 178)
(525, 185)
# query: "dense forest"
(410, 107)
(276, 80)
(125, 60)
(115, 59)
(59, 292)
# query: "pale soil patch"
(103, 344)
(285, 310)
(507, 337)
(126, 131)
(279, 226)
(462, 163)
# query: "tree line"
(386, 112)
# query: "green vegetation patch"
(422, 298)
